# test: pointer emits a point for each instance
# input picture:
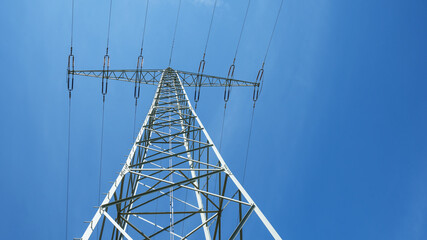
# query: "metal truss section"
(153, 76)
(174, 183)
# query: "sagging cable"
(203, 62)
(70, 87)
(104, 90)
(139, 65)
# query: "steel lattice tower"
(174, 183)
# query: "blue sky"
(339, 142)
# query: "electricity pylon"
(174, 183)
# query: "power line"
(134, 121)
(139, 70)
(104, 88)
(102, 143)
(72, 22)
(70, 86)
(222, 127)
(274, 28)
(68, 166)
(109, 25)
(145, 23)
(209, 31)
(258, 88)
(241, 30)
(230, 75)
(100, 159)
(249, 142)
(174, 33)
(202, 62)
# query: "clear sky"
(340, 132)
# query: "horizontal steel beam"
(152, 77)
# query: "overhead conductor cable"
(174, 33)
(70, 86)
(202, 63)
(139, 65)
(104, 89)
(258, 88)
(230, 74)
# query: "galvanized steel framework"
(174, 182)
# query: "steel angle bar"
(174, 212)
(117, 226)
(153, 199)
(170, 154)
(97, 216)
(201, 225)
(162, 124)
(166, 228)
(156, 225)
(150, 77)
(169, 135)
(184, 138)
(194, 189)
(209, 80)
(134, 227)
(257, 210)
(153, 76)
(193, 174)
(158, 189)
(172, 169)
(157, 170)
(178, 119)
(169, 103)
(240, 226)
(178, 199)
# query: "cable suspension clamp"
(105, 74)
(70, 71)
(199, 80)
(258, 81)
(227, 89)
(138, 77)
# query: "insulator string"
(174, 33)
(230, 74)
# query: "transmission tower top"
(174, 182)
(153, 76)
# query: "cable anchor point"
(70, 72)
(138, 76)
(105, 74)
(199, 80)
(258, 83)
(230, 76)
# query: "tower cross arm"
(152, 77)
